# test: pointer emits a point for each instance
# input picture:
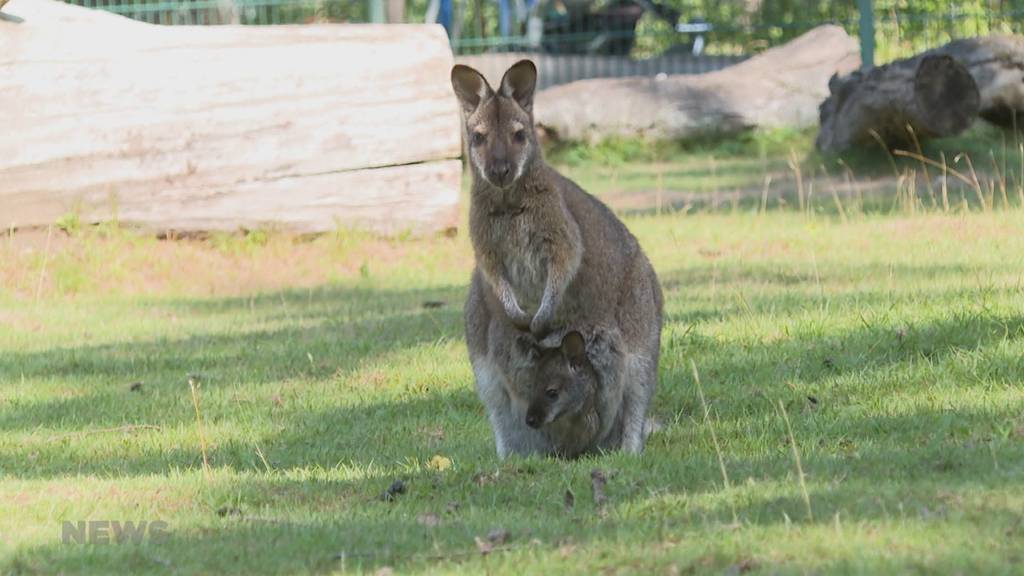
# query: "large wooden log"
(208, 128)
(933, 95)
(937, 93)
(781, 87)
(997, 65)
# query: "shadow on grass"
(330, 335)
(862, 458)
(280, 524)
(337, 336)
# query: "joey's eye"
(551, 393)
(478, 138)
(519, 136)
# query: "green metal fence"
(907, 27)
(582, 38)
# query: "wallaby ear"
(471, 88)
(574, 349)
(519, 83)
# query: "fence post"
(376, 11)
(867, 34)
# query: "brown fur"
(549, 256)
(563, 400)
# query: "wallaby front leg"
(516, 315)
(554, 288)
(564, 255)
(503, 290)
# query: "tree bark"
(936, 93)
(997, 65)
(781, 87)
(194, 128)
(931, 95)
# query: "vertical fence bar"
(867, 34)
(376, 11)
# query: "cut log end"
(938, 93)
(946, 95)
(924, 97)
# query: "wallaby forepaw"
(540, 326)
(519, 319)
(521, 323)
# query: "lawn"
(325, 369)
(780, 168)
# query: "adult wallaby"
(548, 256)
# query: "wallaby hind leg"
(652, 425)
(640, 322)
(641, 380)
(511, 434)
(517, 437)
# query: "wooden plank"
(99, 108)
(417, 198)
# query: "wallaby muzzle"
(535, 417)
(500, 173)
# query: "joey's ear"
(519, 83)
(574, 349)
(471, 88)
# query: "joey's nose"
(532, 420)
(502, 169)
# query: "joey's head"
(565, 382)
(499, 125)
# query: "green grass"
(621, 167)
(775, 168)
(895, 343)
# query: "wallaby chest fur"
(509, 238)
(555, 221)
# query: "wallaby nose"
(532, 421)
(501, 169)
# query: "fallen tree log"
(937, 93)
(933, 95)
(781, 87)
(188, 128)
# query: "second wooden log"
(926, 97)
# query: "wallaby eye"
(519, 136)
(551, 393)
(478, 138)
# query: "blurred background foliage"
(738, 27)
